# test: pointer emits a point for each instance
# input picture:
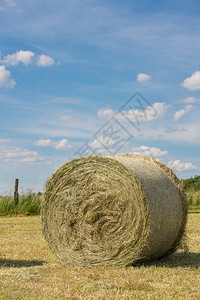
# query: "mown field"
(28, 269)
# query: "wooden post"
(16, 195)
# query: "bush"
(192, 188)
(192, 184)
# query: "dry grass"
(28, 270)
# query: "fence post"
(16, 194)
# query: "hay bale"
(103, 210)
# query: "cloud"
(189, 133)
(66, 118)
(16, 154)
(179, 166)
(10, 2)
(97, 148)
(192, 83)
(149, 151)
(160, 107)
(190, 100)
(106, 145)
(149, 113)
(25, 57)
(105, 113)
(44, 142)
(45, 61)
(142, 77)
(179, 114)
(61, 145)
(171, 128)
(140, 113)
(5, 78)
(4, 141)
(98, 143)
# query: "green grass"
(28, 205)
(29, 271)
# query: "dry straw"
(113, 210)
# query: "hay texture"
(113, 210)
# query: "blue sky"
(68, 67)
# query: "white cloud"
(19, 155)
(5, 78)
(142, 77)
(179, 166)
(66, 118)
(105, 112)
(160, 107)
(60, 145)
(25, 57)
(192, 83)
(179, 114)
(172, 128)
(98, 143)
(149, 151)
(190, 100)
(190, 133)
(4, 141)
(63, 144)
(106, 145)
(149, 113)
(10, 2)
(45, 61)
(43, 143)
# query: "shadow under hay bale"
(11, 263)
(113, 210)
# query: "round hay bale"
(113, 210)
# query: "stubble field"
(28, 269)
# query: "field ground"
(28, 269)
